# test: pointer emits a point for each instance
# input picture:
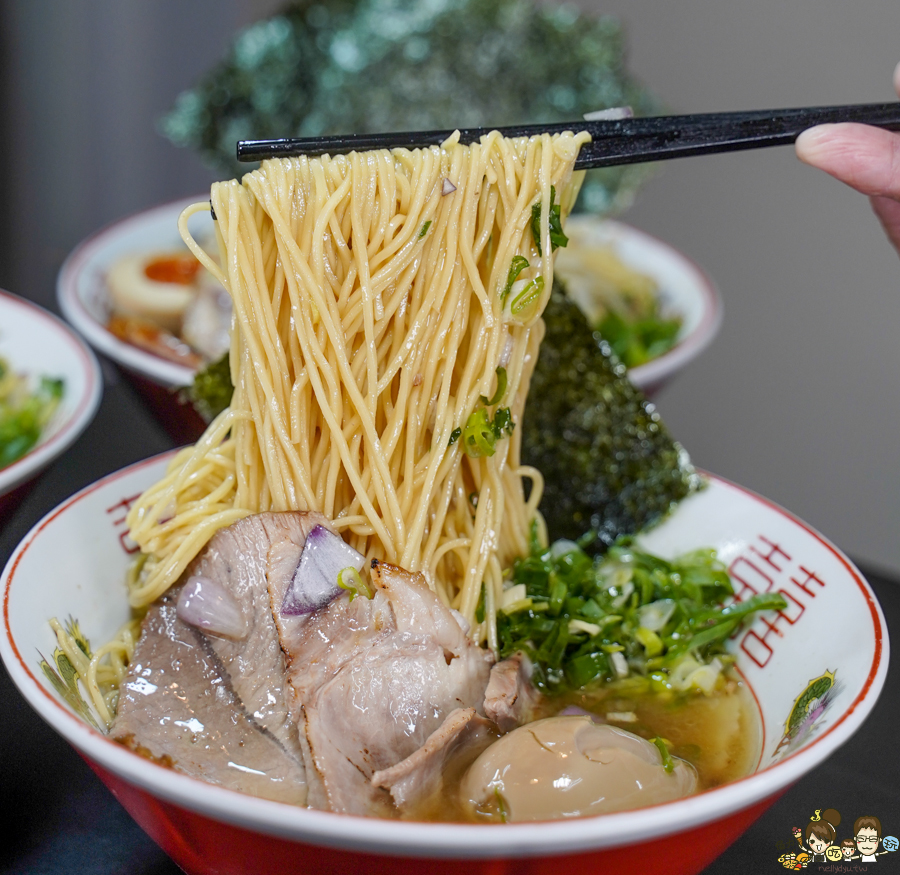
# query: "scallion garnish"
(557, 237)
(519, 263)
(667, 762)
(595, 627)
(525, 301)
(351, 580)
(501, 389)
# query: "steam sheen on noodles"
(374, 327)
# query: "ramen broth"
(720, 735)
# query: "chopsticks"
(621, 141)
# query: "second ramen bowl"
(814, 670)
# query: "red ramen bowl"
(814, 670)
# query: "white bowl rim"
(657, 370)
(154, 368)
(440, 840)
(130, 357)
(83, 408)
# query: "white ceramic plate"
(36, 343)
(84, 297)
(73, 562)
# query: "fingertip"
(811, 143)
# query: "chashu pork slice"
(178, 708)
(237, 558)
(370, 680)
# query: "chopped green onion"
(519, 263)
(557, 237)
(501, 389)
(454, 436)
(424, 230)
(351, 580)
(524, 302)
(667, 761)
(481, 433)
(593, 628)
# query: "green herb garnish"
(24, 414)
(557, 237)
(424, 230)
(667, 761)
(481, 433)
(637, 341)
(628, 618)
(351, 580)
(519, 263)
(501, 389)
(454, 436)
(525, 301)
(64, 677)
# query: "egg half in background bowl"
(813, 673)
(120, 255)
(35, 344)
(135, 274)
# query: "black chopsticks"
(620, 141)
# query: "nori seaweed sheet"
(608, 461)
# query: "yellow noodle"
(369, 326)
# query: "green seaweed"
(609, 463)
(211, 391)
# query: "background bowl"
(36, 343)
(83, 296)
(84, 299)
(72, 563)
(684, 291)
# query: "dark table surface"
(64, 821)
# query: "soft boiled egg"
(157, 287)
(572, 767)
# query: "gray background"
(797, 398)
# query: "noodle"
(372, 321)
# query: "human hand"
(866, 158)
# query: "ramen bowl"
(37, 344)
(684, 290)
(814, 671)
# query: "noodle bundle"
(386, 323)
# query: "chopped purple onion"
(209, 606)
(315, 582)
(575, 711)
(447, 187)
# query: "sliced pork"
(510, 696)
(371, 679)
(177, 707)
(304, 706)
(419, 779)
(237, 559)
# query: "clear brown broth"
(719, 735)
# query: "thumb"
(864, 157)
